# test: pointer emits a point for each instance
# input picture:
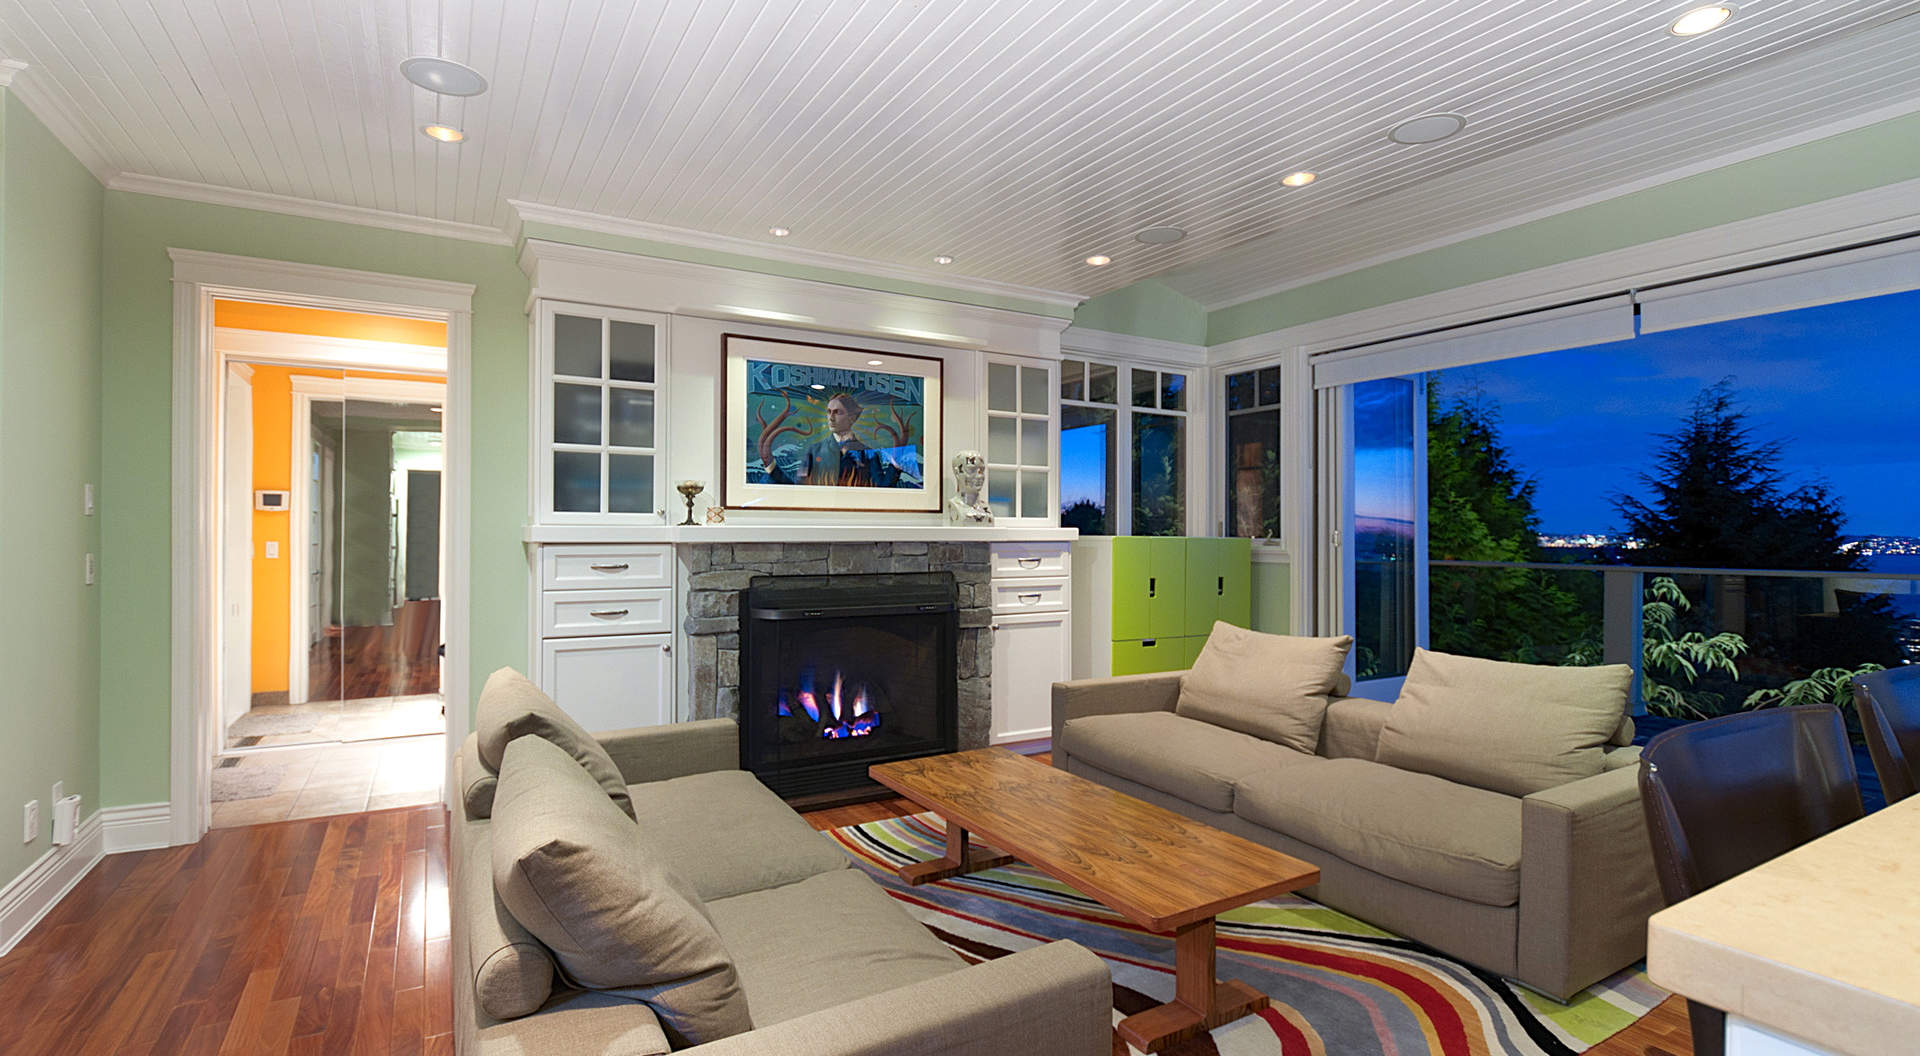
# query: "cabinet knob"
(667, 648)
(609, 614)
(621, 567)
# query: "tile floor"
(341, 779)
(369, 718)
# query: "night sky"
(1839, 384)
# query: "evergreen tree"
(1717, 499)
(1480, 507)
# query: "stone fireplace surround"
(716, 575)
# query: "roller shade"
(1870, 271)
(1575, 326)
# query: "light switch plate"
(92, 571)
(86, 499)
(273, 549)
(31, 830)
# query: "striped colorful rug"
(1338, 985)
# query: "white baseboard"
(32, 894)
(140, 827)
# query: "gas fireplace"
(840, 672)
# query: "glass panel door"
(1383, 531)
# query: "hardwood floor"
(307, 938)
(353, 663)
(303, 937)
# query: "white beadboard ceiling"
(1017, 137)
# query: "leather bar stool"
(1889, 703)
(1724, 795)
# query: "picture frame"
(784, 401)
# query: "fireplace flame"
(852, 716)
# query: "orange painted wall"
(316, 322)
(273, 471)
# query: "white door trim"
(304, 389)
(198, 278)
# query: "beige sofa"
(828, 962)
(1552, 889)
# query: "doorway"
(332, 542)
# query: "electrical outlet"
(31, 831)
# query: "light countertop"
(1822, 943)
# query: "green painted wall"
(1874, 156)
(137, 355)
(1272, 598)
(743, 262)
(50, 223)
(1145, 309)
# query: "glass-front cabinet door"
(1020, 452)
(601, 414)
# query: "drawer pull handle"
(1029, 562)
(1152, 582)
(1029, 599)
(609, 614)
(1220, 589)
(621, 567)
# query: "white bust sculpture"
(969, 505)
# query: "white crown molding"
(261, 201)
(1130, 347)
(343, 286)
(141, 827)
(272, 346)
(29, 897)
(1863, 216)
(585, 274)
(1821, 131)
(66, 124)
(525, 212)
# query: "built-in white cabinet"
(1032, 637)
(605, 624)
(599, 381)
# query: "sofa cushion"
(1352, 728)
(726, 833)
(577, 874)
(510, 706)
(822, 942)
(477, 781)
(1416, 828)
(1272, 686)
(1513, 728)
(1197, 761)
(512, 973)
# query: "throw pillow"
(576, 874)
(510, 706)
(1272, 686)
(1512, 728)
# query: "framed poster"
(822, 427)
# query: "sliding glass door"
(1380, 543)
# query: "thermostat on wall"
(272, 500)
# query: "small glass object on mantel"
(690, 489)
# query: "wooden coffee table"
(1164, 872)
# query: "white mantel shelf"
(793, 533)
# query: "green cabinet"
(1149, 602)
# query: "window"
(1019, 456)
(1099, 404)
(1253, 454)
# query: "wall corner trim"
(140, 827)
(29, 897)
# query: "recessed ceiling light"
(1099, 262)
(943, 259)
(1427, 128)
(444, 133)
(818, 386)
(874, 362)
(443, 75)
(1299, 179)
(1159, 236)
(1701, 20)
(778, 232)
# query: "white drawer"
(572, 613)
(1029, 559)
(1030, 595)
(602, 567)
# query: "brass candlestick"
(689, 489)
